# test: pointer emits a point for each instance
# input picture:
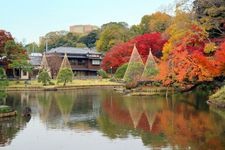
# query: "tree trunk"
(18, 78)
(14, 74)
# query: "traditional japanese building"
(83, 61)
(35, 61)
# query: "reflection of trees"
(3, 96)
(186, 127)
(112, 129)
(177, 123)
(135, 110)
(71, 109)
(10, 126)
(44, 101)
(183, 122)
(151, 109)
(116, 120)
(54, 106)
(65, 103)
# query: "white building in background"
(82, 29)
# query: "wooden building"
(84, 61)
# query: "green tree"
(111, 34)
(156, 22)
(17, 57)
(13, 50)
(65, 75)
(3, 79)
(44, 77)
(121, 71)
(102, 73)
(80, 45)
(144, 25)
(33, 48)
(135, 30)
(21, 65)
(3, 84)
(59, 38)
(90, 39)
(133, 72)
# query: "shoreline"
(8, 114)
(56, 88)
(216, 104)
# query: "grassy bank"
(33, 85)
(218, 98)
(145, 91)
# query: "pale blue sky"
(29, 19)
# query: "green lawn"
(76, 82)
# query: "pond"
(103, 119)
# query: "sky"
(27, 20)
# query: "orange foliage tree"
(187, 64)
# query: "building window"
(73, 62)
(81, 62)
(96, 62)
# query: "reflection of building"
(82, 29)
(84, 61)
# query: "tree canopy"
(211, 14)
(112, 34)
(59, 38)
(64, 76)
(120, 54)
(90, 39)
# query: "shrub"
(134, 72)
(44, 77)
(121, 71)
(5, 109)
(102, 73)
(131, 85)
(65, 75)
(51, 83)
(3, 79)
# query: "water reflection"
(65, 109)
(181, 121)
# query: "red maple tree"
(121, 53)
(4, 37)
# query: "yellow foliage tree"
(181, 26)
(159, 22)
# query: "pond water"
(103, 119)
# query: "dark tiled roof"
(35, 60)
(84, 69)
(73, 50)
